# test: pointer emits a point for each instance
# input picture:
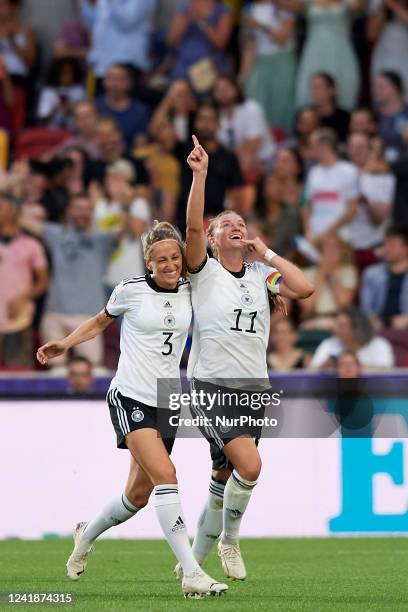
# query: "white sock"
(210, 522)
(171, 519)
(116, 512)
(237, 494)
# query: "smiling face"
(228, 234)
(166, 263)
(348, 366)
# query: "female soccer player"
(230, 338)
(157, 315)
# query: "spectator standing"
(79, 259)
(131, 115)
(177, 107)
(354, 332)
(18, 51)
(198, 35)
(243, 127)
(268, 61)
(324, 99)
(332, 189)
(375, 203)
(85, 124)
(111, 148)
(328, 49)
(362, 121)
(387, 28)
(306, 122)
(392, 112)
(335, 281)
(24, 277)
(111, 211)
(63, 90)
(384, 287)
(120, 33)
(224, 178)
(280, 202)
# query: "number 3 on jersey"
(167, 343)
(252, 315)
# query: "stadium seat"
(35, 142)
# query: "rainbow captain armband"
(273, 282)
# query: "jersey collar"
(153, 285)
(239, 274)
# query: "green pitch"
(301, 575)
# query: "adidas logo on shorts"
(178, 525)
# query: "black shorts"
(218, 435)
(129, 415)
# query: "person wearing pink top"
(23, 276)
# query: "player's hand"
(198, 158)
(50, 350)
(256, 246)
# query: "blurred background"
(302, 106)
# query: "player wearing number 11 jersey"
(231, 311)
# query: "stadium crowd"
(302, 106)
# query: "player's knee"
(251, 470)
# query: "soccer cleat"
(201, 585)
(232, 562)
(178, 572)
(76, 564)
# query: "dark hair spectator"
(354, 332)
(80, 376)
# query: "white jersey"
(231, 322)
(152, 337)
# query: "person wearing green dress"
(268, 66)
(328, 49)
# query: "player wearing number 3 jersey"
(231, 332)
(156, 311)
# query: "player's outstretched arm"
(196, 248)
(295, 284)
(86, 331)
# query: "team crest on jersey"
(137, 415)
(246, 299)
(169, 321)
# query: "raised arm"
(196, 248)
(86, 331)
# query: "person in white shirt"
(354, 332)
(243, 127)
(230, 338)
(332, 190)
(157, 315)
(367, 230)
(120, 201)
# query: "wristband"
(269, 255)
